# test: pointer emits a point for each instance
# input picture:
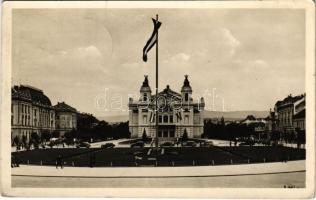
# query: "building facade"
(177, 113)
(299, 115)
(66, 118)
(31, 112)
(285, 111)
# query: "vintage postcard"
(158, 99)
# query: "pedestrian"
(16, 161)
(12, 161)
(59, 162)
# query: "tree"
(35, 139)
(55, 134)
(69, 136)
(24, 140)
(45, 136)
(16, 141)
(185, 135)
(144, 137)
(275, 136)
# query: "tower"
(145, 91)
(186, 91)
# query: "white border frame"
(307, 192)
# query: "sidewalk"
(120, 172)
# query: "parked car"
(247, 143)
(83, 145)
(107, 145)
(207, 144)
(189, 144)
(138, 144)
(167, 144)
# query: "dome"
(145, 87)
(186, 85)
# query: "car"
(83, 145)
(167, 144)
(247, 143)
(138, 144)
(207, 144)
(189, 144)
(107, 145)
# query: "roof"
(299, 115)
(168, 92)
(31, 94)
(250, 117)
(63, 107)
(289, 100)
(145, 86)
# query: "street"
(296, 179)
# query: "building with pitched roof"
(285, 111)
(66, 118)
(31, 111)
(177, 113)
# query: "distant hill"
(235, 115)
(114, 118)
(231, 115)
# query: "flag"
(152, 40)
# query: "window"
(165, 133)
(186, 96)
(171, 119)
(186, 119)
(145, 119)
(165, 119)
(171, 134)
(145, 97)
(159, 134)
(160, 119)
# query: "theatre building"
(178, 113)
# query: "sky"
(237, 59)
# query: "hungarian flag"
(152, 40)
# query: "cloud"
(253, 64)
(180, 57)
(229, 40)
(220, 45)
(260, 63)
(83, 52)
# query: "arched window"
(165, 119)
(186, 96)
(145, 97)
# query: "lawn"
(172, 157)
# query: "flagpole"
(157, 86)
